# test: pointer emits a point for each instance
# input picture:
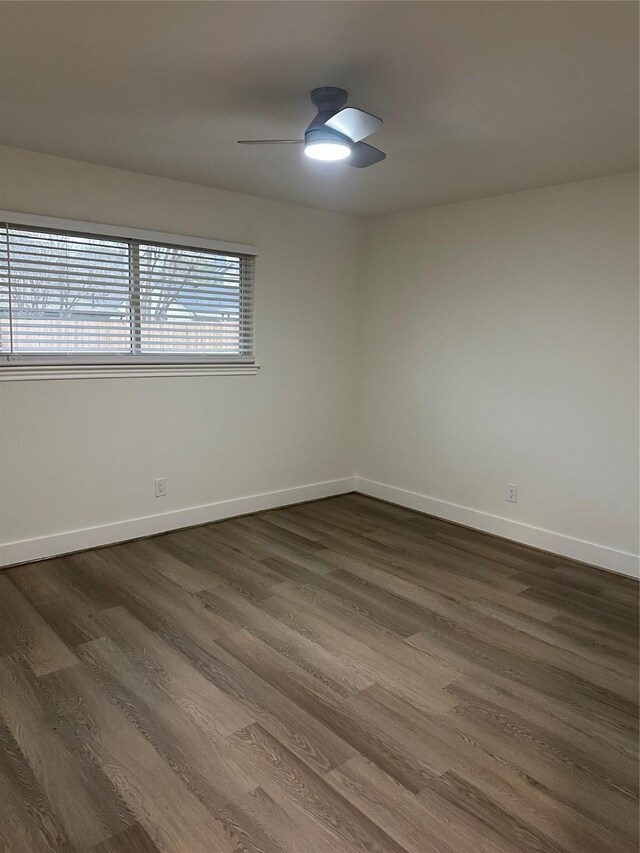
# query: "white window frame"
(42, 367)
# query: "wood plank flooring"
(335, 677)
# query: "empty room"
(319, 426)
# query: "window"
(78, 298)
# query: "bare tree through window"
(73, 294)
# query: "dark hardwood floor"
(335, 677)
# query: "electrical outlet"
(512, 493)
(161, 487)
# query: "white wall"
(501, 346)
(455, 350)
(81, 453)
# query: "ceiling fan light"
(327, 150)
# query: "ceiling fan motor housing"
(328, 100)
(315, 135)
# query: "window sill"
(122, 371)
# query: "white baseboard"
(602, 556)
(42, 547)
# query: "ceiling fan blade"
(364, 155)
(270, 141)
(354, 123)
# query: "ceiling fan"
(336, 133)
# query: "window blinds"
(88, 298)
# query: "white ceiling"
(478, 98)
